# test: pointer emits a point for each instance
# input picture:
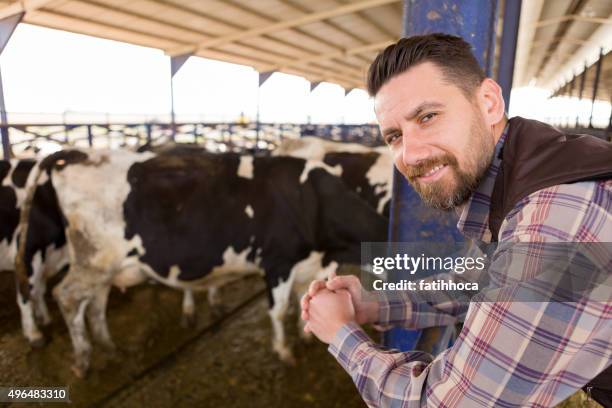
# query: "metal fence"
(219, 137)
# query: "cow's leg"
(39, 288)
(96, 317)
(29, 309)
(214, 301)
(188, 318)
(28, 323)
(213, 296)
(73, 297)
(40, 306)
(279, 297)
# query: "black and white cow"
(366, 170)
(191, 219)
(45, 252)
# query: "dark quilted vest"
(536, 156)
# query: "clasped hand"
(327, 306)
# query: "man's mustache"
(425, 166)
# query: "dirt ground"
(227, 363)
(222, 362)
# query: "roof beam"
(262, 62)
(232, 58)
(306, 11)
(530, 14)
(338, 54)
(80, 25)
(180, 50)
(347, 73)
(266, 59)
(282, 25)
(345, 76)
(257, 58)
(329, 23)
(567, 40)
(572, 17)
(22, 6)
(251, 9)
(325, 77)
(574, 8)
(307, 59)
(175, 29)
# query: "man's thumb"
(339, 282)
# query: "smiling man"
(518, 183)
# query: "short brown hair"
(453, 55)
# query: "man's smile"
(433, 174)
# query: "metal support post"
(263, 77)
(507, 52)
(596, 85)
(582, 80)
(7, 27)
(176, 62)
(475, 21)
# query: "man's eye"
(428, 117)
(391, 138)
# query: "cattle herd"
(190, 219)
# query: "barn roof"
(321, 40)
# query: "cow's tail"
(21, 267)
(56, 161)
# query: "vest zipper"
(589, 393)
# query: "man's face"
(439, 138)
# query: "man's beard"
(444, 194)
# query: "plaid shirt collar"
(474, 214)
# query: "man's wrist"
(372, 312)
(346, 340)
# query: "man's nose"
(414, 151)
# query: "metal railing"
(219, 137)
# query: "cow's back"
(196, 211)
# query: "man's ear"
(491, 101)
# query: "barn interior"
(225, 359)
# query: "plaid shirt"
(508, 354)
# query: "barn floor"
(222, 362)
(227, 363)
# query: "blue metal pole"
(411, 221)
(507, 52)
